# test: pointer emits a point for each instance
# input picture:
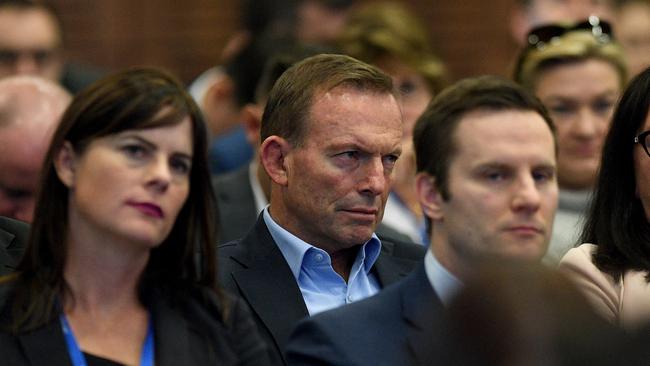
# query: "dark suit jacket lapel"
(236, 204)
(171, 335)
(388, 268)
(421, 311)
(267, 283)
(6, 238)
(45, 346)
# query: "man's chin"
(357, 236)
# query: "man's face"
(503, 190)
(581, 98)
(339, 178)
(20, 164)
(29, 43)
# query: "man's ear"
(429, 196)
(274, 158)
(65, 163)
(252, 122)
(219, 107)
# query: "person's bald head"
(30, 110)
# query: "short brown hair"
(288, 106)
(433, 135)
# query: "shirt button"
(318, 257)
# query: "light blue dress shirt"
(321, 287)
(445, 284)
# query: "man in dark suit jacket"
(485, 153)
(404, 317)
(13, 240)
(329, 154)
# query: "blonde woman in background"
(578, 72)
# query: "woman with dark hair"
(120, 265)
(614, 271)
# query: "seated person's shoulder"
(14, 227)
(403, 248)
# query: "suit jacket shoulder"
(236, 204)
(395, 327)
(624, 301)
(13, 242)
(396, 260)
(187, 331)
(195, 330)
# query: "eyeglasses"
(641, 139)
(541, 36)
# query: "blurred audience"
(578, 71)
(529, 14)
(612, 268)
(268, 27)
(633, 31)
(30, 110)
(222, 92)
(387, 35)
(31, 43)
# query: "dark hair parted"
(434, 132)
(290, 100)
(135, 99)
(616, 221)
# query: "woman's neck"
(102, 274)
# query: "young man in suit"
(486, 162)
(331, 134)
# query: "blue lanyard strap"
(78, 359)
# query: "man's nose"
(374, 181)
(26, 64)
(526, 196)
